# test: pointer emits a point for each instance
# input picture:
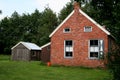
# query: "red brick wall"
(80, 39)
(45, 54)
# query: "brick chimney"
(76, 6)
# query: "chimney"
(76, 6)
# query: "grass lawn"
(35, 70)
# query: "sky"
(29, 6)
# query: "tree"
(65, 11)
(10, 32)
(3, 25)
(0, 11)
(114, 63)
(34, 27)
(48, 23)
(109, 15)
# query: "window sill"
(87, 32)
(68, 57)
(93, 58)
(66, 32)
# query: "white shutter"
(101, 45)
(101, 49)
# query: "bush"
(114, 63)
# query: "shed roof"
(30, 46)
(45, 45)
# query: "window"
(87, 29)
(66, 30)
(96, 49)
(33, 53)
(68, 48)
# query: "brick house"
(79, 41)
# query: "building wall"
(80, 39)
(20, 53)
(35, 55)
(45, 54)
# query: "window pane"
(93, 42)
(68, 54)
(69, 48)
(88, 29)
(67, 30)
(94, 54)
(94, 49)
(68, 43)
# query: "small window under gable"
(87, 29)
(66, 30)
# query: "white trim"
(93, 21)
(90, 28)
(98, 51)
(72, 51)
(66, 28)
(16, 45)
(45, 45)
(89, 50)
(62, 23)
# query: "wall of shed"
(45, 54)
(35, 55)
(20, 53)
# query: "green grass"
(35, 70)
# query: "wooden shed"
(25, 51)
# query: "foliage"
(114, 63)
(34, 27)
(0, 11)
(35, 70)
(106, 12)
(65, 11)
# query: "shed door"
(22, 54)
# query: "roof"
(45, 45)
(84, 14)
(30, 46)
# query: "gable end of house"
(85, 15)
(93, 21)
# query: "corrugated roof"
(30, 46)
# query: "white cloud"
(55, 5)
(28, 6)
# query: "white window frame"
(65, 49)
(98, 48)
(87, 27)
(67, 31)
